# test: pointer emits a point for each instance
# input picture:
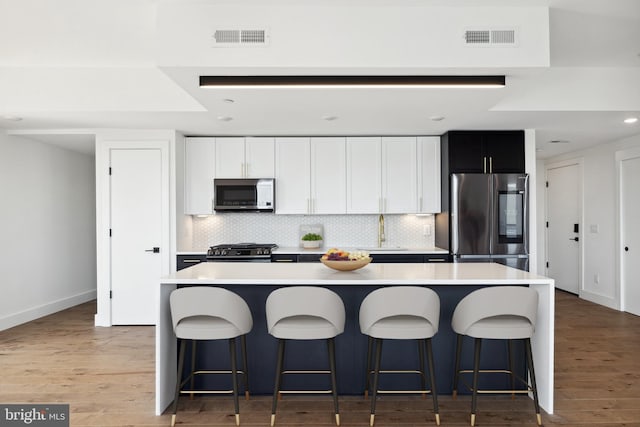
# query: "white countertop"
(372, 274)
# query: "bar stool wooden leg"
(376, 372)
(234, 377)
(183, 344)
(334, 382)
(276, 388)
(532, 374)
(432, 377)
(368, 373)
(476, 369)
(245, 365)
(456, 367)
(423, 374)
(511, 372)
(193, 366)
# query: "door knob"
(574, 238)
(155, 250)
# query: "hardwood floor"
(107, 377)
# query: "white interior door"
(630, 234)
(136, 229)
(564, 214)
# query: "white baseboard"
(600, 299)
(34, 313)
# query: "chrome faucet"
(381, 237)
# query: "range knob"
(216, 252)
(223, 252)
(266, 251)
(258, 251)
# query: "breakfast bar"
(254, 281)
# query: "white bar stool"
(401, 312)
(497, 312)
(305, 313)
(207, 313)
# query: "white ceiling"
(70, 67)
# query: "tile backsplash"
(339, 230)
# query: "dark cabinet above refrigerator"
(483, 152)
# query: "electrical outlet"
(596, 278)
(426, 230)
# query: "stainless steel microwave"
(244, 195)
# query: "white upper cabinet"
(293, 175)
(328, 175)
(200, 154)
(238, 157)
(364, 175)
(399, 175)
(429, 186)
(310, 175)
(259, 157)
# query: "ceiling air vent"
(240, 38)
(490, 37)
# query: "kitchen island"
(254, 281)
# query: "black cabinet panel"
(397, 258)
(185, 261)
(483, 152)
(505, 151)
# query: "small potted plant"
(311, 240)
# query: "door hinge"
(547, 224)
(110, 294)
(109, 232)
(109, 170)
(547, 264)
(547, 184)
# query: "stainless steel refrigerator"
(490, 218)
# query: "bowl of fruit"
(345, 261)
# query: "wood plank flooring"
(107, 377)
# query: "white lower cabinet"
(199, 174)
(310, 175)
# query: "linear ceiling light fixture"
(277, 82)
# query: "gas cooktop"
(241, 251)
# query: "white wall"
(600, 208)
(47, 229)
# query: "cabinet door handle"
(436, 260)
(191, 261)
(246, 170)
(283, 260)
(155, 250)
(484, 164)
(308, 205)
(420, 207)
(490, 164)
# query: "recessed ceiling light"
(228, 101)
(329, 118)
(436, 118)
(559, 141)
(630, 120)
(225, 118)
(12, 118)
